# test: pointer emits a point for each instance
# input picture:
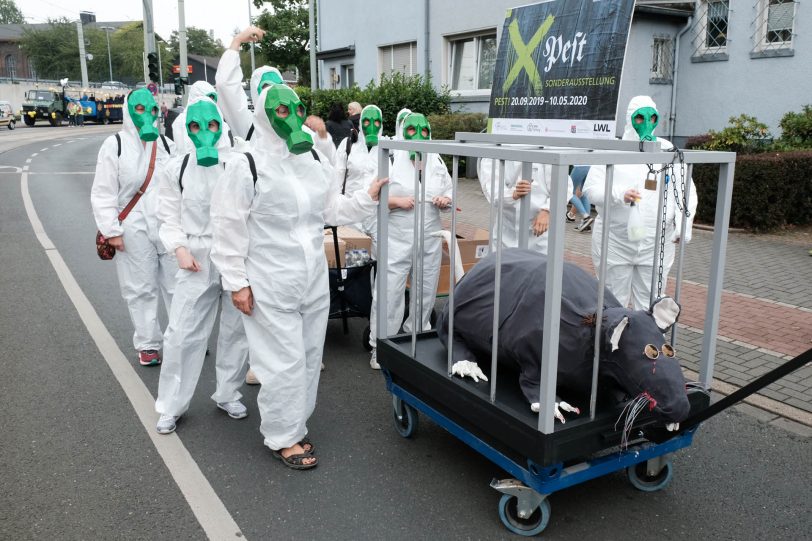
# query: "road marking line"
(34, 154)
(58, 144)
(43, 150)
(206, 505)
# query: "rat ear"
(665, 311)
(614, 330)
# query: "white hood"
(380, 129)
(223, 144)
(399, 124)
(200, 89)
(255, 78)
(264, 137)
(636, 103)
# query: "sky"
(221, 16)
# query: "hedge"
(770, 190)
(392, 94)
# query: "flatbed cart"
(494, 418)
(351, 291)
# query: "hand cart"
(351, 290)
(494, 418)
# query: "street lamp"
(109, 58)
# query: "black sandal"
(296, 462)
(306, 441)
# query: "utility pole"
(109, 57)
(312, 45)
(160, 70)
(184, 72)
(149, 35)
(82, 58)
(251, 22)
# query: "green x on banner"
(558, 68)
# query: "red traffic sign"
(152, 87)
(176, 68)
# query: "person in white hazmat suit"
(357, 164)
(630, 263)
(184, 203)
(402, 206)
(183, 144)
(511, 190)
(146, 271)
(269, 249)
(234, 103)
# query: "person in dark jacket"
(338, 126)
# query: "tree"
(10, 13)
(198, 41)
(54, 51)
(286, 44)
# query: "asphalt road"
(76, 462)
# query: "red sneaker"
(149, 357)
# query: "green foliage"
(797, 128)
(391, 95)
(198, 41)
(770, 190)
(10, 13)
(445, 126)
(54, 51)
(745, 135)
(286, 43)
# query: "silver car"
(7, 116)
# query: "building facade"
(701, 62)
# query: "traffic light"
(178, 86)
(152, 66)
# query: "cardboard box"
(349, 238)
(473, 244)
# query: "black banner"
(558, 68)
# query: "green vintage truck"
(47, 105)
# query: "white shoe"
(167, 424)
(373, 360)
(251, 378)
(235, 409)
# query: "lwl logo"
(600, 128)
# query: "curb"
(761, 402)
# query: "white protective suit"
(146, 271)
(629, 265)
(539, 199)
(361, 169)
(183, 144)
(269, 236)
(401, 239)
(234, 103)
(186, 222)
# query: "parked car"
(114, 85)
(7, 116)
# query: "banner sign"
(558, 68)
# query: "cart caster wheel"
(528, 527)
(405, 417)
(642, 481)
(365, 338)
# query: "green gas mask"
(212, 96)
(268, 78)
(201, 117)
(145, 119)
(416, 128)
(371, 120)
(287, 115)
(644, 120)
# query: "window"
(471, 62)
(347, 75)
(774, 28)
(11, 66)
(711, 30)
(662, 60)
(400, 58)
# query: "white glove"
(534, 407)
(672, 427)
(467, 368)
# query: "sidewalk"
(766, 313)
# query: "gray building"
(701, 62)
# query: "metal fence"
(560, 154)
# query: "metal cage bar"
(497, 284)
(659, 232)
(524, 207)
(452, 256)
(381, 328)
(681, 253)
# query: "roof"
(14, 32)
(211, 61)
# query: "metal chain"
(669, 168)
